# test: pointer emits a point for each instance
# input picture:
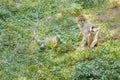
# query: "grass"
(21, 59)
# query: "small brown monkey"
(50, 42)
(89, 31)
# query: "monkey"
(89, 31)
(50, 42)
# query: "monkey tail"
(35, 31)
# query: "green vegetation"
(21, 59)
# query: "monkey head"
(81, 19)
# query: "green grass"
(21, 59)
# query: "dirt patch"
(112, 17)
(109, 15)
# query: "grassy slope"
(20, 58)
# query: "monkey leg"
(95, 39)
(83, 42)
(80, 34)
